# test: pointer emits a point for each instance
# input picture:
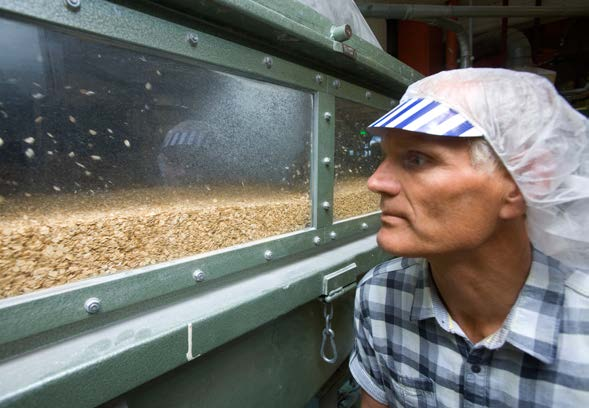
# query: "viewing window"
(357, 155)
(112, 159)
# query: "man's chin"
(396, 245)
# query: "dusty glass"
(112, 158)
(357, 154)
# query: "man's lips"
(387, 216)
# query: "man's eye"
(413, 160)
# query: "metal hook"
(331, 334)
(328, 332)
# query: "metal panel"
(301, 33)
(322, 161)
(61, 356)
(276, 365)
(138, 348)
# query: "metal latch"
(335, 285)
(338, 283)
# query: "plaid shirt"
(410, 353)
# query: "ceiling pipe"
(461, 36)
(418, 11)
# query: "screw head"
(393, 102)
(268, 255)
(327, 116)
(332, 235)
(325, 205)
(92, 305)
(73, 5)
(318, 79)
(336, 83)
(198, 275)
(364, 226)
(317, 240)
(268, 62)
(368, 94)
(326, 161)
(192, 39)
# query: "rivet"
(318, 79)
(327, 116)
(368, 94)
(73, 5)
(192, 39)
(92, 305)
(317, 240)
(268, 62)
(198, 275)
(268, 255)
(393, 102)
(325, 205)
(326, 161)
(332, 235)
(364, 226)
(336, 83)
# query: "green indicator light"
(363, 132)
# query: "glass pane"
(357, 155)
(113, 159)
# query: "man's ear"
(514, 203)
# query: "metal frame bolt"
(336, 83)
(368, 94)
(317, 240)
(333, 235)
(268, 255)
(268, 62)
(192, 39)
(325, 205)
(341, 33)
(327, 116)
(73, 5)
(326, 161)
(364, 226)
(318, 79)
(198, 275)
(92, 305)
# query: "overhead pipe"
(418, 11)
(461, 36)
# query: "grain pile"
(352, 198)
(52, 240)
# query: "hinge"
(338, 283)
(345, 49)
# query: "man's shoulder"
(391, 285)
(394, 270)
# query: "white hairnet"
(541, 140)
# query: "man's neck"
(479, 287)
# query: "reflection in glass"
(112, 159)
(357, 155)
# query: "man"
(485, 196)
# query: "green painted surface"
(54, 354)
(79, 371)
(303, 35)
(323, 147)
(277, 365)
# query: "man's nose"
(384, 181)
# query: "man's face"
(433, 200)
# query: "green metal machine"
(182, 200)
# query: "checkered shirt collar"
(533, 323)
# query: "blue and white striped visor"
(425, 115)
